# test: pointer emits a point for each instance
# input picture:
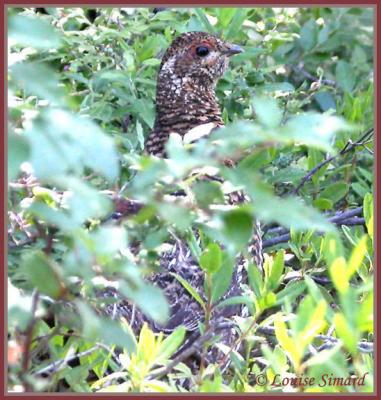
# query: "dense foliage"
(81, 101)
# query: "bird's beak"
(232, 49)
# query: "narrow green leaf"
(192, 291)
(222, 278)
(204, 20)
(276, 270)
(255, 280)
(236, 23)
(368, 213)
(171, 344)
(211, 258)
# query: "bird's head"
(199, 56)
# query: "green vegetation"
(81, 101)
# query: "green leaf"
(345, 75)
(43, 273)
(33, 32)
(308, 35)
(82, 201)
(211, 258)
(289, 345)
(171, 344)
(325, 100)
(368, 213)
(287, 175)
(144, 108)
(305, 310)
(335, 192)
(177, 215)
(191, 290)
(208, 193)
(225, 16)
(267, 111)
(39, 80)
(234, 300)
(222, 278)
(339, 276)
(204, 20)
(332, 247)
(315, 318)
(255, 280)
(323, 204)
(150, 300)
(292, 213)
(276, 270)
(290, 292)
(256, 160)
(98, 329)
(107, 241)
(18, 152)
(365, 321)
(237, 227)
(320, 127)
(236, 23)
(63, 143)
(360, 189)
(346, 333)
(357, 256)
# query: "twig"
(60, 364)
(196, 346)
(347, 148)
(28, 342)
(22, 243)
(349, 218)
(306, 74)
(363, 347)
(339, 215)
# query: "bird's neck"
(184, 103)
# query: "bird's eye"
(202, 51)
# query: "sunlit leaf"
(34, 32)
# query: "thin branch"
(22, 243)
(306, 74)
(348, 218)
(363, 347)
(28, 342)
(61, 364)
(346, 149)
(193, 348)
(196, 346)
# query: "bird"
(185, 94)
(186, 100)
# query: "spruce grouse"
(186, 99)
